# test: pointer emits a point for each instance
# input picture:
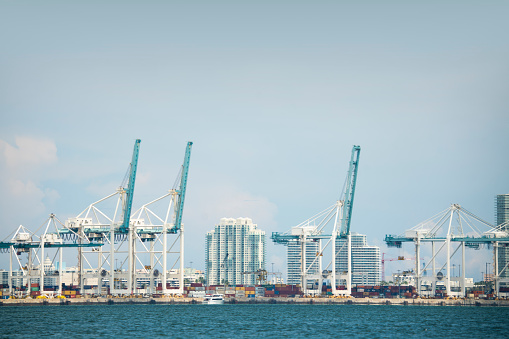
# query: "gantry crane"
(455, 225)
(312, 230)
(153, 230)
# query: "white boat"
(214, 299)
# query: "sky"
(273, 94)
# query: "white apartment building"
(366, 263)
(502, 216)
(232, 249)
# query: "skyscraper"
(365, 260)
(234, 247)
(502, 216)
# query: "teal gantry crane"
(312, 231)
(451, 227)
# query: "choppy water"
(232, 321)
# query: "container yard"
(271, 293)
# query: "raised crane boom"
(350, 191)
(182, 189)
(130, 188)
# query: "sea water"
(255, 320)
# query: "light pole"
(487, 275)
(399, 284)
(483, 282)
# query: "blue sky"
(272, 93)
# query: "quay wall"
(261, 300)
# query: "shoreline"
(261, 300)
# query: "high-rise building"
(502, 216)
(232, 249)
(502, 209)
(365, 260)
(295, 255)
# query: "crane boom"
(350, 190)
(182, 189)
(130, 187)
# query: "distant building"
(294, 261)
(234, 247)
(502, 216)
(366, 263)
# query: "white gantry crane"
(33, 256)
(313, 230)
(448, 232)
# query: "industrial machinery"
(451, 227)
(312, 231)
(103, 239)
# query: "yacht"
(214, 299)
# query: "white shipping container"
(197, 294)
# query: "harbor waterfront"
(282, 300)
(258, 320)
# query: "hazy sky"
(272, 93)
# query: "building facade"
(366, 265)
(501, 217)
(233, 249)
(294, 256)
